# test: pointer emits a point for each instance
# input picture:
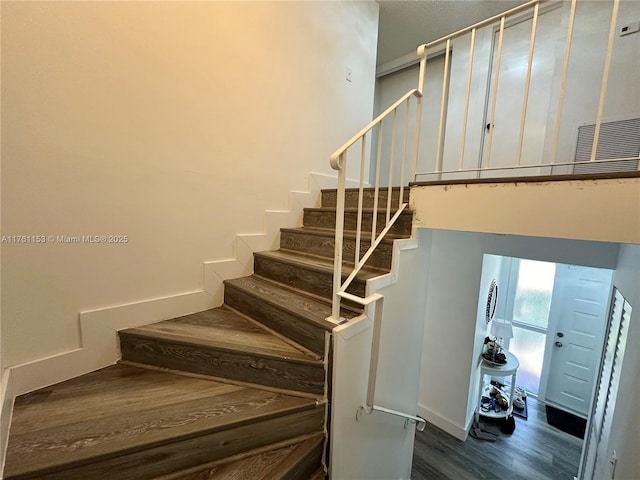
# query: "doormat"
(566, 421)
(521, 412)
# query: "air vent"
(618, 139)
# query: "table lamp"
(502, 330)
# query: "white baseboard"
(444, 423)
(98, 328)
(99, 339)
(215, 272)
(6, 404)
(384, 280)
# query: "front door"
(577, 321)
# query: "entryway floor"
(535, 451)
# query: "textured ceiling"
(406, 24)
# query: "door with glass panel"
(558, 315)
(529, 300)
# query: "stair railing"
(338, 161)
(533, 8)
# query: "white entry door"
(577, 321)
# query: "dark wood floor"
(535, 451)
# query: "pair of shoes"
(495, 358)
(518, 402)
(476, 432)
(500, 399)
(487, 428)
(519, 392)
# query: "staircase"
(239, 391)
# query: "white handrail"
(335, 156)
(369, 406)
(338, 161)
(508, 13)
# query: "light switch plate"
(629, 28)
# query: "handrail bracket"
(419, 422)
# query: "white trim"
(407, 60)
(99, 340)
(445, 424)
(98, 328)
(7, 397)
(376, 283)
(216, 271)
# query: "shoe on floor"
(487, 428)
(480, 435)
(518, 402)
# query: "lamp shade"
(501, 328)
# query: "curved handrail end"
(335, 161)
(422, 50)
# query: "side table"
(509, 368)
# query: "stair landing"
(134, 420)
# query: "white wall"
(625, 436)
(492, 268)
(378, 446)
(175, 124)
(455, 284)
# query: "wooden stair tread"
(330, 233)
(318, 475)
(316, 263)
(223, 328)
(303, 306)
(275, 463)
(366, 189)
(122, 409)
(368, 210)
(329, 197)
(325, 217)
